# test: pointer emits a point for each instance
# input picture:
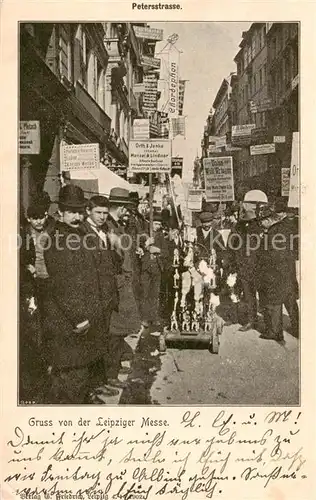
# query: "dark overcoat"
(242, 248)
(276, 270)
(81, 286)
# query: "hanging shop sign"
(79, 156)
(294, 195)
(279, 138)
(285, 181)
(241, 134)
(173, 106)
(195, 197)
(221, 141)
(153, 62)
(141, 129)
(219, 179)
(176, 166)
(148, 33)
(29, 137)
(261, 106)
(151, 156)
(139, 88)
(262, 149)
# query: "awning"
(98, 181)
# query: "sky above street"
(207, 57)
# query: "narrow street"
(247, 371)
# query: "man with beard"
(126, 320)
(79, 304)
(276, 272)
(243, 249)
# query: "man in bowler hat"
(79, 304)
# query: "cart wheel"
(214, 347)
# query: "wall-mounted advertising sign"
(262, 149)
(141, 128)
(148, 33)
(219, 179)
(29, 138)
(294, 194)
(151, 156)
(285, 181)
(79, 156)
(241, 134)
(173, 106)
(153, 62)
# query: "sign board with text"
(241, 134)
(148, 33)
(285, 181)
(262, 149)
(153, 62)
(141, 128)
(79, 156)
(29, 138)
(279, 139)
(294, 195)
(219, 179)
(195, 200)
(151, 156)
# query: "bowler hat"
(36, 210)
(134, 197)
(120, 196)
(157, 216)
(206, 216)
(71, 196)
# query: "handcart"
(194, 323)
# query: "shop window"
(92, 84)
(65, 52)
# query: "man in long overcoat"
(276, 272)
(79, 303)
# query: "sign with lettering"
(294, 195)
(285, 181)
(153, 62)
(148, 33)
(173, 106)
(195, 199)
(141, 128)
(219, 179)
(29, 137)
(241, 134)
(279, 138)
(139, 88)
(151, 156)
(79, 156)
(262, 149)
(221, 141)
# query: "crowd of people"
(96, 273)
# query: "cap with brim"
(36, 211)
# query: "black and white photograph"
(159, 213)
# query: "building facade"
(260, 107)
(77, 80)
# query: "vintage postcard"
(157, 235)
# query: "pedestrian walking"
(276, 272)
(78, 307)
